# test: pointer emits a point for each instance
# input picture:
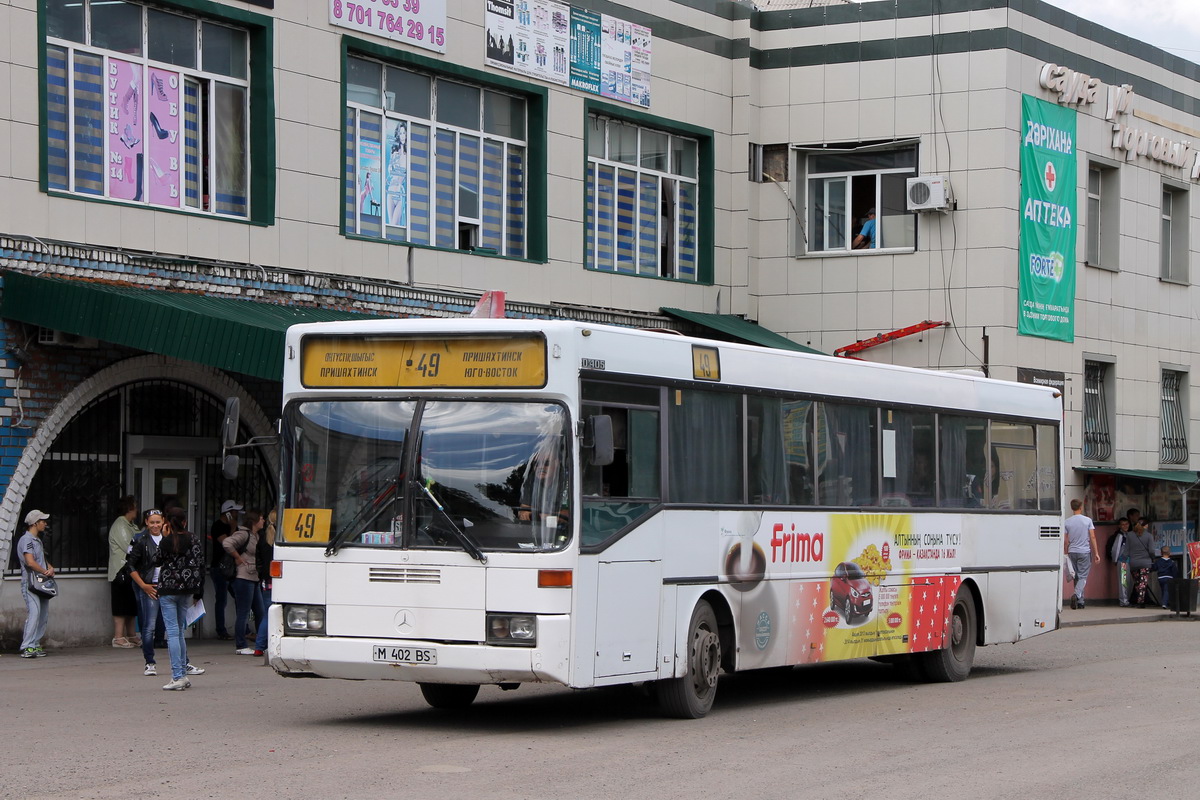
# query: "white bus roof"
(653, 354)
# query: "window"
(1173, 422)
(618, 494)
(641, 211)
(1103, 220)
(708, 468)
(147, 106)
(844, 186)
(434, 161)
(908, 456)
(1173, 243)
(1097, 444)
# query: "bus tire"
(953, 662)
(449, 696)
(691, 696)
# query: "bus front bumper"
(355, 658)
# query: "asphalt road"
(1100, 712)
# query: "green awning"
(1172, 475)
(738, 329)
(235, 335)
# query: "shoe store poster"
(163, 101)
(126, 156)
(1046, 273)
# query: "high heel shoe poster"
(162, 93)
(123, 89)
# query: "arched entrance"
(147, 426)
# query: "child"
(1166, 569)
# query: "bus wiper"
(465, 540)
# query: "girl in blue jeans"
(242, 544)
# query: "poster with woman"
(369, 194)
(396, 191)
(123, 91)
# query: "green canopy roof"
(1172, 475)
(739, 329)
(235, 335)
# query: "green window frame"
(441, 157)
(167, 105)
(648, 190)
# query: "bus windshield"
(469, 475)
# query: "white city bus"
(472, 502)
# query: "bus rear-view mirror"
(598, 440)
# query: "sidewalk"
(1114, 614)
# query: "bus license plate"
(405, 655)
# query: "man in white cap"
(32, 555)
(222, 526)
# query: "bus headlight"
(304, 620)
(519, 630)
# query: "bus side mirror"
(598, 440)
(229, 467)
(229, 426)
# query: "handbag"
(228, 565)
(45, 586)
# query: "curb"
(1084, 623)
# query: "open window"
(856, 198)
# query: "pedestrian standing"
(1118, 551)
(242, 544)
(121, 596)
(1141, 558)
(264, 557)
(143, 570)
(180, 563)
(1167, 571)
(222, 526)
(1081, 548)
(32, 555)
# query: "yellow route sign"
(355, 362)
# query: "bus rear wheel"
(953, 662)
(449, 696)
(691, 696)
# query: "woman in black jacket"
(180, 559)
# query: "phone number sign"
(421, 23)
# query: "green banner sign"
(1046, 288)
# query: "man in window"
(866, 236)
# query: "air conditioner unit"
(928, 193)
(64, 339)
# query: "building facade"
(181, 179)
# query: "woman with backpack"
(180, 563)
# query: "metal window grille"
(1097, 442)
(1173, 423)
(82, 476)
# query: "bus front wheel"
(449, 696)
(953, 662)
(691, 696)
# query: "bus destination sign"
(393, 362)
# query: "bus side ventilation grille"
(405, 575)
(1049, 532)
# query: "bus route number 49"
(404, 655)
